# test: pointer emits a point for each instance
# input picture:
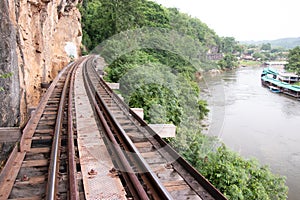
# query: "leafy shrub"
(238, 178)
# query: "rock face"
(38, 38)
(9, 97)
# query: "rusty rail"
(180, 165)
(53, 169)
(36, 141)
(74, 193)
(105, 115)
(137, 181)
(134, 184)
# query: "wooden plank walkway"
(93, 152)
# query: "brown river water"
(256, 122)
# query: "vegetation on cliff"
(3, 76)
(160, 78)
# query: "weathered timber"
(9, 134)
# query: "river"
(256, 122)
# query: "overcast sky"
(245, 20)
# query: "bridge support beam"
(164, 130)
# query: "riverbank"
(250, 63)
(241, 63)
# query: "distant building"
(214, 56)
(247, 57)
(288, 77)
(213, 53)
(275, 64)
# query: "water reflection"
(289, 108)
(252, 120)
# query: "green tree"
(160, 104)
(267, 55)
(277, 50)
(238, 178)
(229, 45)
(163, 93)
(240, 49)
(266, 47)
(102, 19)
(250, 51)
(123, 64)
(294, 60)
(228, 62)
(258, 55)
(193, 27)
(153, 15)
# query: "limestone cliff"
(38, 38)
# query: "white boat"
(274, 89)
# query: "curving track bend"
(93, 146)
(150, 167)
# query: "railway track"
(44, 166)
(150, 168)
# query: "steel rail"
(31, 125)
(138, 158)
(213, 191)
(192, 171)
(73, 184)
(140, 161)
(53, 168)
(14, 164)
(136, 188)
(181, 162)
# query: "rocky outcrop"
(38, 38)
(9, 95)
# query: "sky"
(244, 20)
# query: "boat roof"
(282, 84)
(270, 70)
(276, 63)
(288, 74)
